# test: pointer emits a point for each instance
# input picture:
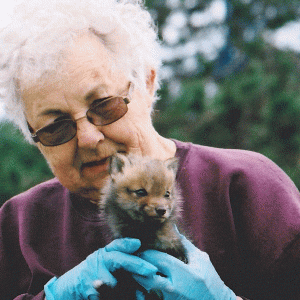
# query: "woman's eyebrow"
(99, 89)
(95, 91)
(52, 112)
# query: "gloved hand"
(193, 281)
(78, 282)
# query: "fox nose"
(160, 211)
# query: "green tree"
(257, 101)
(257, 109)
(22, 165)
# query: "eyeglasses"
(103, 112)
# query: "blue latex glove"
(78, 282)
(193, 281)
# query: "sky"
(286, 37)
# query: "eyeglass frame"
(126, 100)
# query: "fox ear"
(172, 164)
(117, 163)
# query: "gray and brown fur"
(141, 201)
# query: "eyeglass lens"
(107, 111)
(101, 113)
(57, 133)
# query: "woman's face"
(81, 164)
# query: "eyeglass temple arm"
(33, 135)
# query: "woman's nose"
(88, 135)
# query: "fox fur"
(141, 201)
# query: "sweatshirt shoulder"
(232, 157)
(228, 161)
(40, 195)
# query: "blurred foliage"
(22, 165)
(256, 104)
(257, 109)
(247, 96)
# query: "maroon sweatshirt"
(239, 207)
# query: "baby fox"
(141, 201)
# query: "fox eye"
(141, 193)
(167, 194)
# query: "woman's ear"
(150, 82)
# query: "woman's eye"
(167, 194)
(98, 101)
(62, 117)
(141, 193)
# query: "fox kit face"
(144, 188)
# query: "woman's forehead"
(86, 76)
(88, 68)
(85, 51)
(86, 56)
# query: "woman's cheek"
(59, 157)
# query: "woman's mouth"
(94, 168)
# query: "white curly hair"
(32, 46)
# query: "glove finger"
(195, 255)
(126, 245)
(165, 263)
(187, 244)
(154, 282)
(117, 260)
(90, 288)
(140, 295)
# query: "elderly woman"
(80, 80)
